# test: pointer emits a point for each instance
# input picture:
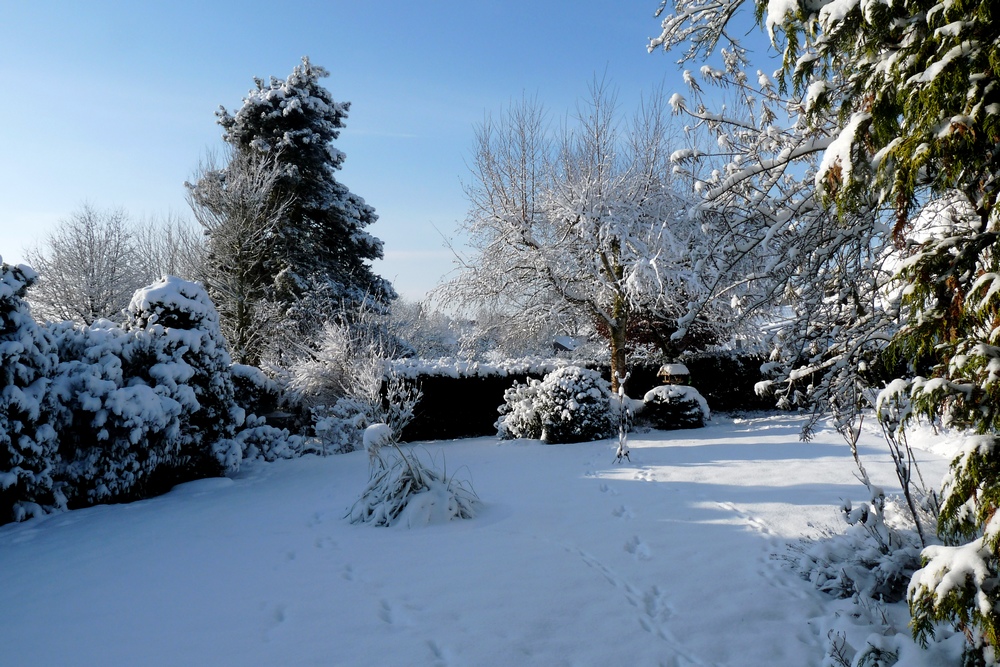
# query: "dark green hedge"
(466, 407)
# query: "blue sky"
(112, 103)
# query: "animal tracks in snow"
(622, 512)
(643, 475)
(638, 548)
(653, 608)
(757, 524)
(607, 489)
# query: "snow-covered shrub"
(868, 568)
(575, 406)
(254, 391)
(571, 404)
(404, 490)
(27, 439)
(519, 416)
(187, 360)
(855, 564)
(340, 427)
(348, 384)
(115, 430)
(672, 406)
(260, 397)
(258, 440)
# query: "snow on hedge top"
(453, 367)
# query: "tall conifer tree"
(317, 259)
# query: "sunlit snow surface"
(674, 559)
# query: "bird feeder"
(674, 374)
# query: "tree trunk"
(617, 356)
(617, 335)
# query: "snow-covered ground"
(675, 559)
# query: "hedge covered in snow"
(106, 413)
(460, 399)
(459, 368)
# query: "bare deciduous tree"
(240, 209)
(171, 246)
(581, 223)
(88, 267)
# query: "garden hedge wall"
(465, 406)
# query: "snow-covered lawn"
(674, 559)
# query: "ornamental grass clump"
(403, 490)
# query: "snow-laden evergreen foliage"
(116, 431)
(110, 413)
(187, 359)
(314, 254)
(255, 392)
(673, 406)
(27, 439)
(896, 108)
(571, 404)
(143, 406)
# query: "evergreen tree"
(28, 442)
(902, 99)
(317, 258)
(185, 357)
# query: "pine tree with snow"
(28, 443)
(317, 258)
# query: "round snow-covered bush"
(571, 404)
(673, 406)
(519, 417)
(575, 406)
